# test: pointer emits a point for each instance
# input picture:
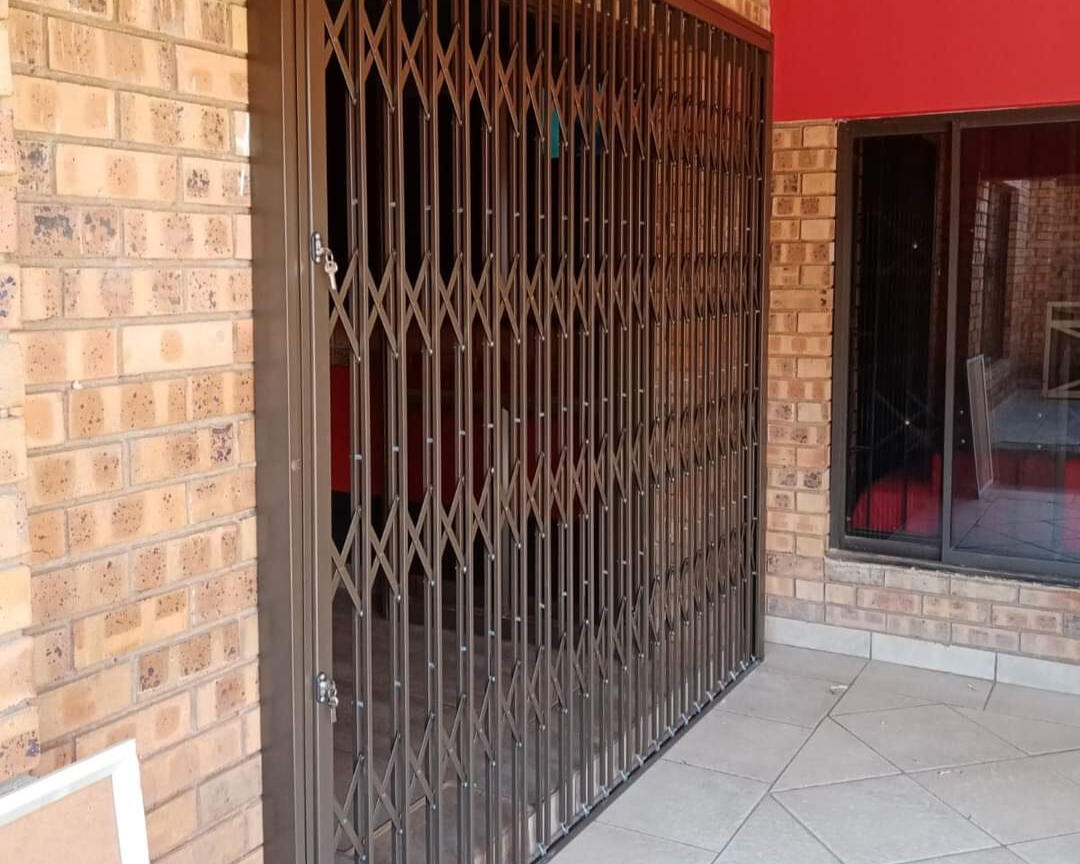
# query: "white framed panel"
(119, 766)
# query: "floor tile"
(772, 836)
(747, 746)
(866, 696)
(1013, 801)
(927, 685)
(687, 804)
(883, 820)
(1056, 850)
(606, 844)
(984, 856)
(930, 736)
(833, 755)
(1030, 735)
(838, 668)
(1037, 704)
(784, 698)
(839, 800)
(1065, 764)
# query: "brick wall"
(134, 328)
(804, 582)
(1045, 266)
(19, 740)
(800, 367)
(996, 614)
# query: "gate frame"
(282, 273)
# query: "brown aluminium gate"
(538, 363)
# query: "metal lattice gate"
(538, 367)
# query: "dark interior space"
(897, 327)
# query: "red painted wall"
(867, 58)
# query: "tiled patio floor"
(825, 759)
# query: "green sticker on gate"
(554, 135)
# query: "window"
(958, 343)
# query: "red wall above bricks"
(864, 58)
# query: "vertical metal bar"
(955, 139)
(682, 323)
(562, 83)
(745, 409)
(740, 346)
(750, 342)
(727, 305)
(762, 287)
(362, 455)
(678, 288)
(738, 259)
(662, 361)
(604, 405)
(427, 770)
(753, 192)
(470, 101)
(454, 740)
(356, 555)
(602, 351)
(719, 264)
(589, 391)
(709, 562)
(676, 380)
(578, 792)
(655, 228)
(747, 342)
(756, 324)
(623, 673)
(670, 376)
(712, 354)
(695, 83)
(518, 618)
(697, 545)
(493, 565)
(543, 569)
(632, 680)
(399, 471)
(647, 398)
(318, 398)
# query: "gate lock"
(326, 694)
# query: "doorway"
(531, 395)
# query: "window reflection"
(1016, 457)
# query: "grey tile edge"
(817, 637)
(936, 656)
(1038, 674)
(1033, 672)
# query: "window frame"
(951, 126)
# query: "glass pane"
(1016, 469)
(895, 374)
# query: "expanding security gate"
(537, 352)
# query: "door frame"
(281, 268)
(286, 282)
